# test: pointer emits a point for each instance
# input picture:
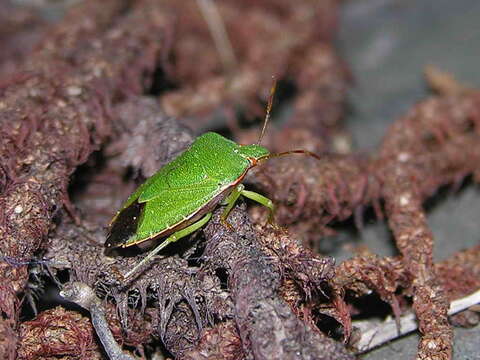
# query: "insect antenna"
(265, 123)
(269, 109)
(297, 151)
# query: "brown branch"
(84, 296)
(459, 276)
(422, 151)
(267, 326)
(415, 242)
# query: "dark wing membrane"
(125, 225)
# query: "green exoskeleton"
(179, 199)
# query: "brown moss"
(58, 333)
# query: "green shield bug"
(179, 199)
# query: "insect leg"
(261, 200)
(172, 238)
(231, 200)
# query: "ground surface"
(387, 44)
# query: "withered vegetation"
(92, 105)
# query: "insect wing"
(169, 209)
(183, 173)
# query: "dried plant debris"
(460, 274)
(182, 300)
(52, 119)
(84, 296)
(267, 326)
(150, 138)
(168, 293)
(218, 343)
(58, 332)
(81, 103)
(147, 140)
(362, 274)
(21, 28)
(434, 145)
(422, 151)
(303, 55)
(372, 335)
(309, 194)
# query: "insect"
(179, 199)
